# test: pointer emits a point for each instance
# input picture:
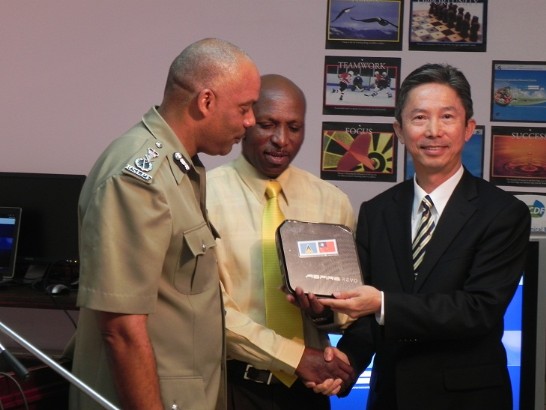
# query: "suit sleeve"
(358, 341)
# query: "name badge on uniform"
(135, 171)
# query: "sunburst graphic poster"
(356, 151)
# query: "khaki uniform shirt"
(146, 247)
(235, 201)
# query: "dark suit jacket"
(440, 347)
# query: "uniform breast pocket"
(197, 270)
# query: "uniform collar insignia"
(181, 162)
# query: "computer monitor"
(49, 224)
(524, 339)
(9, 234)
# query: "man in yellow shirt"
(235, 202)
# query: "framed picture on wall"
(472, 158)
(448, 25)
(518, 156)
(537, 207)
(518, 91)
(360, 85)
(369, 25)
(358, 151)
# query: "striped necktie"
(281, 316)
(424, 233)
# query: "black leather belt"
(246, 371)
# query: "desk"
(24, 296)
(39, 318)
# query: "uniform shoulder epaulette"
(146, 161)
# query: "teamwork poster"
(364, 25)
(448, 25)
(518, 93)
(360, 85)
(353, 151)
(518, 156)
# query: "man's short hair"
(439, 74)
(205, 64)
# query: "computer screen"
(49, 223)
(519, 341)
(9, 232)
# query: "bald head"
(278, 86)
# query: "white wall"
(76, 74)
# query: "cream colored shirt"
(235, 202)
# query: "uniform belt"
(246, 371)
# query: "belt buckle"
(246, 375)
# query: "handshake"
(330, 372)
(327, 372)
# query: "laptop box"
(320, 258)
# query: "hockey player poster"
(443, 25)
(364, 24)
(356, 151)
(518, 156)
(360, 85)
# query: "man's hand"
(328, 387)
(308, 302)
(314, 368)
(331, 386)
(357, 302)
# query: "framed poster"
(448, 25)
(360, 85)
(518, 156)
(364, 25)
(472, 158)
(536, 203)
(518, 91)
(356, 151)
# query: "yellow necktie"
(281, 316)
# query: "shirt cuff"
(380, 316)
(289, 356)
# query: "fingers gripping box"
(320, 258)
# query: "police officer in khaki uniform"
(150, 334)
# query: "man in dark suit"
(435, 323)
